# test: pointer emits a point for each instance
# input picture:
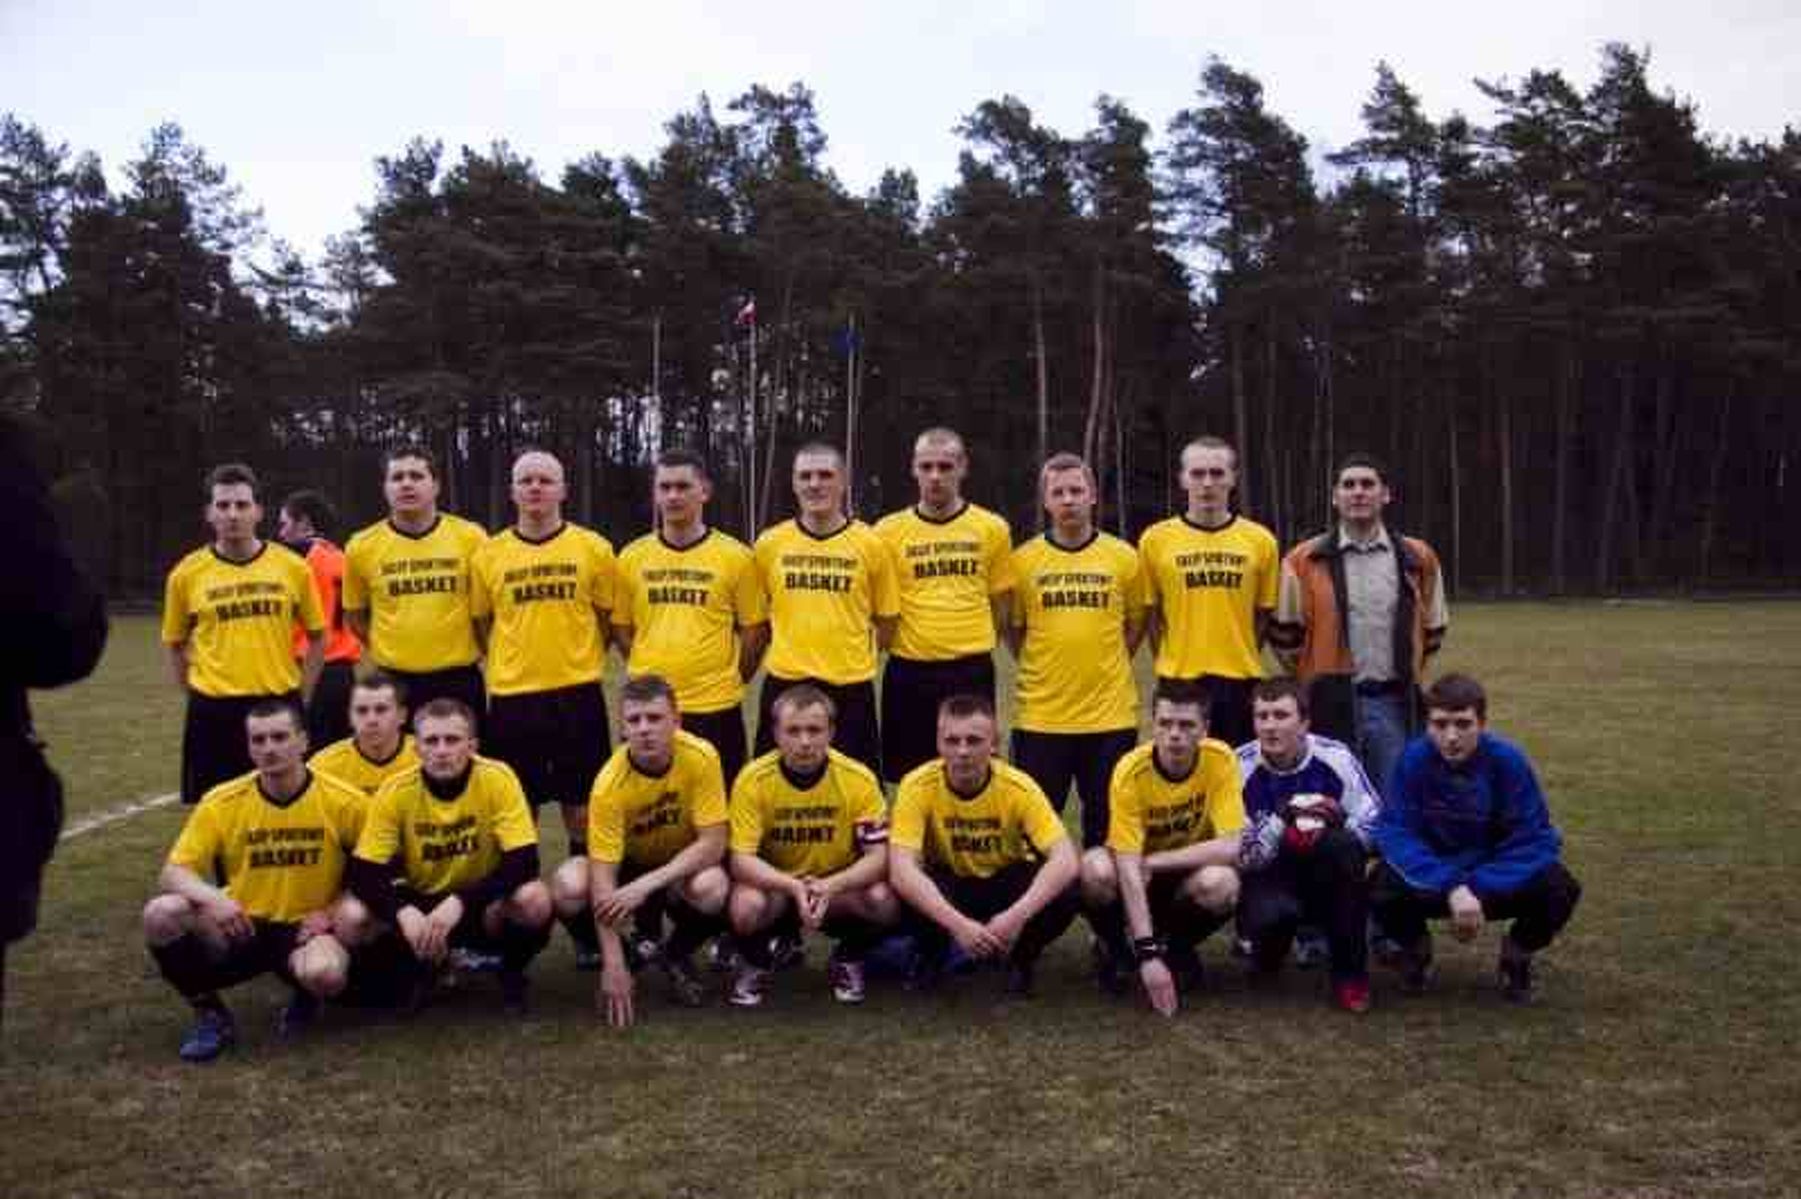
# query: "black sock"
(581, 930)
(519, 945)
(578, 845)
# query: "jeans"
(1381, 735)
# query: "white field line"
(100, 820)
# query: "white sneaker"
(847, 981)
(747, 986)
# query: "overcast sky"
(297, 99)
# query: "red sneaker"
(1353, 995)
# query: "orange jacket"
(1321, 638)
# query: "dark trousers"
(724, 731)
(911, 693)
(328, 712)
(1228, 708)
(196, 969)
(985, 898)
(1539, 909)
(1174, 917)
(1055, 760)
(1324, 888)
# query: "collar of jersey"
(1093, 536)
(436, 520)
(941, 520)
(1299, 763)
(448, 790)
(544, 540)
(399, 748)
(261, 548)
(801, 782)
(682, 549)
(1166, 776)
(972, 796)
(291, 800)
(1197, 526)
(651, 774)
(799, 524)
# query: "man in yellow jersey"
(540, 592)
(690, 607)
(977, 853)
(656, 834)
(406, 588)
(448, 858)
(954, 563)
(809, 848)
(229, 611)
(1078, 613)
(833, 603)
(1168, 876)
(379, 746)
(276, 841)
(301, 526)
(1213, 576)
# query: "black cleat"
(1109, 971)
(515, 991)
(685, 987)
(297, 1016)
(1519, 981)
(1415, 966)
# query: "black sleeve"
(52, 618)
(517, 868)
(377, 884)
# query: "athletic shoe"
(685, 987)
(587, 959)
(642, 951)
(1020, 977)
(1415, 966)
(1109, 971)
(297, 1015)
(474, 961)
(787, 952)
(1519, 981)
(747, 986)
(213, 1033)
(1352, 995)
(1310, 949)
(514, 992)
(723, 956)
(846, 978)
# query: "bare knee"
(1100, 877)
(530, 905)
(1213, 888)
(351, 921)
(167, 918)
(706, 891)
(321, 966)
(881, 904)
(569, 887)
(749, 908)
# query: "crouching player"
(1311, 812)
(978, 854)
(809, 849)
(449, 857)
(656, 834)
(1167, 878)
(278, 839)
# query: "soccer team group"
(447, 683)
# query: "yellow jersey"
(1074, 673)
(415, 588)
(810, 831)
(280, 861)
(1208, 586)
(235, 619)
(344, 760)
(445, 845)
(948, 570)
(646, 819)
(1149, 812)
(548, 600)
(1008, 821)
(685, 606)
(824, 592)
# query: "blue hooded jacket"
(1483, 824)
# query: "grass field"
(1661, 1063)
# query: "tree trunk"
(1456, 501)
(1560, 497)
(1091, 428)
(1616, 475)
(1241, 417)
(1044, 372)
(1503, 402)
(1715, 472)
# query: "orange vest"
(1325, 648)
(326, 561)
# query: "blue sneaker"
(213, 1033)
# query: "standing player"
(1078, 613)
(1361, 610)
(977, 853)
(301, 527)
(276, 841)
(1313, 812)
(1168, 876)
(406, 588)
(809, 849)
(379, 746)
(656, 834)
(449, 857)
(540, 592)
(1213, 580)
(690, 607)
(954, 563)
(832, 604)
(229, 611)
(1465, 833)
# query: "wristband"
(1147, 949)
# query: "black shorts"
(215, 746)
(1228, 708)
(555, 741)
(724, 731)
(855, 733)
(328, 712)
(266, 952)
(911, 693)
(462, 683)
(1054, 760)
